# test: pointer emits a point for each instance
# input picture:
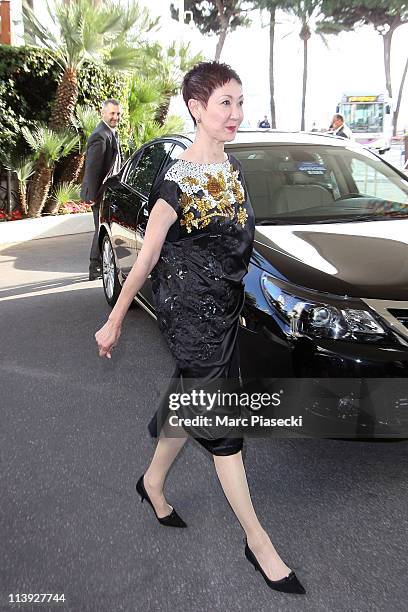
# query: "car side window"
(143, 171)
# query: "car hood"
(363, 259)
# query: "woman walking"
(197, 246)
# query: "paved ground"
(73, 440)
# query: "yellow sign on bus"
(361, 98)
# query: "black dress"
(197, 283)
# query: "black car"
(327, 287)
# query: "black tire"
(110, 276)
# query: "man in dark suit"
(102, 159)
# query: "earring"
(198, 120)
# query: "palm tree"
(167, 66)
(307, 11)
(145, 96)
(71, 169)
(86, 120)
(48, 147)
(150, 129)
(103, 33)
(23, 167)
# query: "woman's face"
(224, 112)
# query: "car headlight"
(311, 317)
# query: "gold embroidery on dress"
(242, 216)
(190, 180)
(215, 185)
(220, 194)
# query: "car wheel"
(110, 277)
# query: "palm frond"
(66, 192)
(86, 29)
(134, 14)
(69, 144)
(187, 60)
(173, 124)
(143, 132)
(143, 94)
(122, 57)
(48, 144)
(87, 119)
(35, 28)
(23, 167)
(323, 39)
(169, 64)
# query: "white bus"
(369, 118)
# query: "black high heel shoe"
(171, 520)
(289, 584)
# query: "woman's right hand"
(107, 338)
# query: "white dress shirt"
(118, 162)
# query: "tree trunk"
(400, 92)
(162, 111)
(220, 44)
(71, 167)
(224, 21)
(65, 101)
(80, 178)
(272, 12)
(302, 123)
(51, 206)
(39, 188)
(387, 39)
(22, 198)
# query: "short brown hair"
(203, 79)
(110, 101)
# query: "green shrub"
(27, 87)
(28, 82)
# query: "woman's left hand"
(107, 338)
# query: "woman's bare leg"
(166, 451)
(231, 472)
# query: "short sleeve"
(168, 191)
(237, 165)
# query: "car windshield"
(317, 183)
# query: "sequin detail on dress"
(209, 192)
